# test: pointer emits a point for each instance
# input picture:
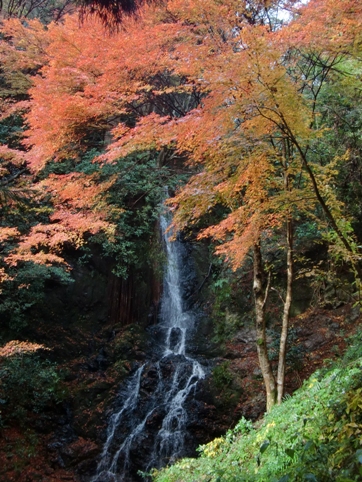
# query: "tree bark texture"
(286, 313)
(260, 294)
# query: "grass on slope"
(315, 435)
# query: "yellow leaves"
(354, 403)
(349, 426)
(313, 381)
(213, 448)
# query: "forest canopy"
(262, 113)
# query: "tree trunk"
(260, 295)
(286, 313)
(289, 293)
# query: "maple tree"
(262, 112)
(74, 202)
(260, 117)
(226, 86)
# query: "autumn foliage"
(242, 96)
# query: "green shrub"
(315, 435)
(25, 289)
(28, 383)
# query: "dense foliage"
(252, 124)
(314, 435)
(29, 383)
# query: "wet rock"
(246, 335)
(99, 362)
(87, 467)
(257, 372)
(79, 450)
(140, 355)
(175, 338)
(59, 462)
(315, 341)
(354, 314)
(55, 445)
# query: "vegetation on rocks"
(314, 435)
(246, 113)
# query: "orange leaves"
(75, 190)
(12, 155)
(45, 242)
(16, 347)
(58, 129)
(27, 47)
(6, 233)
(87, 80)
(79, 224)
(199, 76)
(148, 134)
(47, 259)
(3, 277)
(236, 248)
(245, 190)
(79, 212)
(91, 80)
(194, 200)
(43, 245)
(330, 25)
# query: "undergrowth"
(315, 435)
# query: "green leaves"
(24, 289)
(304, 439)
(290, 452)
(39, 381)
(285, 478)
(264, 446)
(310, 477)
(359, 456)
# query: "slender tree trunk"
(289, 291)
(286, 313)
(260, 295)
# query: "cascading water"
(153, 413)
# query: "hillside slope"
(314, 435)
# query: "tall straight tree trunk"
(289, 292)
(260, 295)
(286, 313)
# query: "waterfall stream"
(153, 413)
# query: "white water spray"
(168, 397)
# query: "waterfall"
(153, 413)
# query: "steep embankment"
(314, 435)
